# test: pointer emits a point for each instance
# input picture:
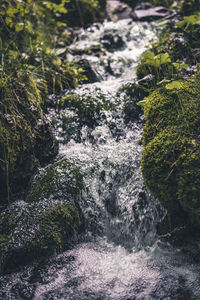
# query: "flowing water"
(119, 257)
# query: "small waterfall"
(120, 256)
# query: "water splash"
(121, 257)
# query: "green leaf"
(174, 85)
(13, 54)
(11, 11)
(148, 55)
(9, 21)
(29, 27)
(189, 20)
(161, 59)
(141, 103)
(19, 27)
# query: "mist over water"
(119, 256)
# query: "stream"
(119, 257)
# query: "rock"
(31, 231)
(111, 204)
(56, 182)
(112, 41)
(131, 3)
(171, 158)
(88, 71)
(95, 50)
(118, 11)
(150, 14)
(47, 222)
(46, 145)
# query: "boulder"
(47, 221)
(171, 157)
(88, 71)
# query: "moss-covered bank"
(171, 158)
(33, 45)
(23, 132)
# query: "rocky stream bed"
(92, 201)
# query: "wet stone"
(112, 41)
(88, 71)
(150, 14)
(117, 10)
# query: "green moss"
(55, 227)
(162, 168)
(189, 181)
(172, 107)
(171, 157)
(78, 111)
(47, 229)
(160, 160)
(20, 111)
(48, 221)
(60, 179)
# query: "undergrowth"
(31, 67)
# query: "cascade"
(119, 256)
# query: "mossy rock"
(78, 111)
(171, 157)
(189, 181)
(170, 106)
(30, 231)
(47, 221)
(162, 169)
(160, 159)
(62, 179)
